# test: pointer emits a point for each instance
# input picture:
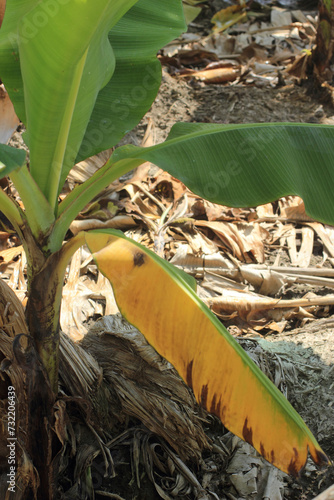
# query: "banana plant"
(81, 74)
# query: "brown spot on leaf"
(292, 468)
(213, 407)
(204, 396)
(247, 433)
(139, 259)
(268, 456)
(322, 459)
(216, 406)
(272, 457)
(189, 375)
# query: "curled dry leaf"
(8, 119)
(293, 209)
(199, 243)
(12, 316)
(8, 255)
(196, 264)
(85, 169)
(82, 299)
(244, 240)
(214, 74)
(166, 186)
(249, 474)
(250, 306)
(123, 222)
(326, 236)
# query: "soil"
(192, 101)
(308, 352)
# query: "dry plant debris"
(247, 261)
(248, 44)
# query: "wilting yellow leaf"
(225, 18)
(158, 300)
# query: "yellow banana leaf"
(159, 301)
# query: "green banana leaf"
(65, 59)
(10, 71)
(135, 39)
(55, 62)
(157, 299)
(248, 165)
(10, 159)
